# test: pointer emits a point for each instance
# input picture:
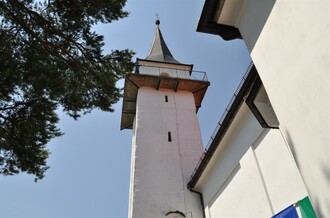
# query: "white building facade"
(289, 45)
(248, 170)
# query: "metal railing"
(219, 124)
(171, 72)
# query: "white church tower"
(161, 99)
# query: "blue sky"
(90, 164)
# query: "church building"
(289, 45)
(268, 156)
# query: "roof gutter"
(201, 199)
(251, 77)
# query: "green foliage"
(51, 57)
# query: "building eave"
(232, 111)
(208, 23)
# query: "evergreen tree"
(49, 58)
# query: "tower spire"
(159, 50)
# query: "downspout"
(201, 199)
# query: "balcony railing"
(171, 72)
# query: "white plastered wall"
(292, 56)
(161, 168)
(283, 183)
(252, 174)
(249, 16)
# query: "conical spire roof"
(159, 50)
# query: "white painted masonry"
(162, 168)
(292, 57)
(289, 45)
(251, 174)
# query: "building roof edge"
(242, 90)
(207, 24)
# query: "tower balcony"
(161, 77)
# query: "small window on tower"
(169, 136)
(166, 98)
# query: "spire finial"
(157, 21)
